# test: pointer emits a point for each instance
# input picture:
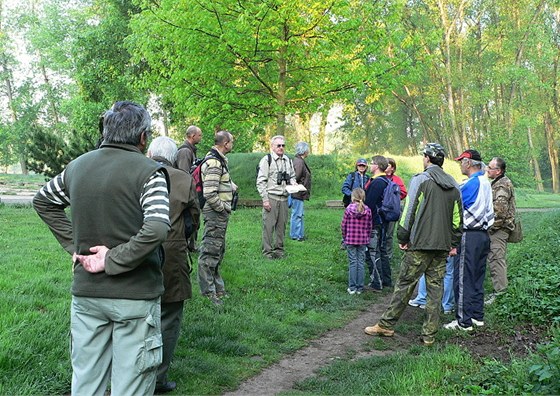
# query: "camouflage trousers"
(414, 264)
(212, 252)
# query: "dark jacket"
(354, 180)
(374, 196)
(433, 213)
(186, 156)
(303, 176)
(177, 269)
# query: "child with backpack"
(356, 228)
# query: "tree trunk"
(282, 75)
(534, 162)
(322, 133)
(552, 148)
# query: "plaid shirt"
(356, 226)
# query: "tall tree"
(237, 63)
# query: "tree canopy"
(466, 73)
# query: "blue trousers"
(356, 259)
(296, 221)
(468, 276)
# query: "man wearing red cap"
(470, 263)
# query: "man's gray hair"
(125, 122)
(193, 130)
(276, 137)
(302, 148)
(478, 164)
(164, 147)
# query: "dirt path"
(303, 363)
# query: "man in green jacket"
(120, 217)
(429, 230)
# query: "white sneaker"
(350, 291)
(456, 326)
(477, 323)
(414, 304)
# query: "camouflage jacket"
(504, 204)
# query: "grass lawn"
(274, 308)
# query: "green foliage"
(268, 59)
(545, 371)
(534, 279)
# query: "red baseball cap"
(470, 154)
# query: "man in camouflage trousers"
(503, 198)
(429, 230)
(218, 191)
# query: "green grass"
(419, 371)
(275, 307)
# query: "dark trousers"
(468, 276)
(377, 260)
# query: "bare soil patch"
(500, 345)
(338, 343)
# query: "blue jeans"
(448, 300)
(296, 223)
(356, 259)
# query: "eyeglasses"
(280, 145)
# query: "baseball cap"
(361, 161)
(470, 154)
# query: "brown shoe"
(378, 330)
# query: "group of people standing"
(447, 233)
(134, 217)
(134, 222)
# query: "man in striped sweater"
(470, 263)
(218, 191)
(120, 217)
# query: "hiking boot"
(456, 326)
(215, 299)
(477, 323)
(413, 303)
(490, 299)
(378, 330)
(371, 288)
(428, 340)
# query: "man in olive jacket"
(120, 217)
(183, 207)
(503, 198)
(429, 230)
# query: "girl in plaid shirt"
(356, 228)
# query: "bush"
(534, 277)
